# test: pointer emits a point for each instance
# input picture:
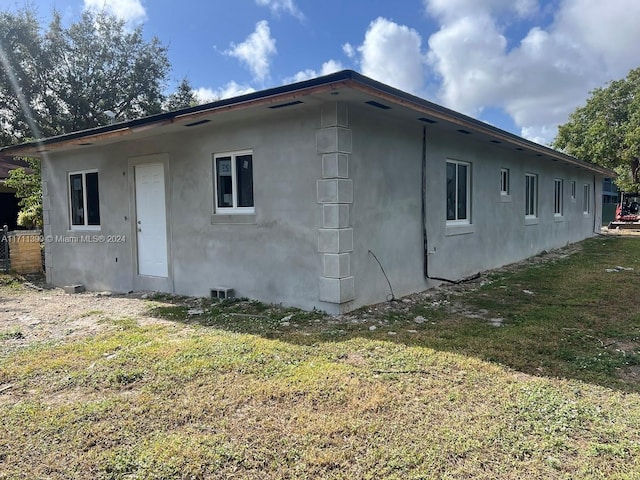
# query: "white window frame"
(531, 213)
(504, 182)
(85, 225)
(573, 190)
(558, 197)
(467, 220)
(234, 209)
(586, 201)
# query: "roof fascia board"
(344, 78)
(422, 106)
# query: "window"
(531, 195)
(84, 201)
(586, 201)
(234, 182)
(504, 181)
(458, 192)
(558, 187)
(573, 191)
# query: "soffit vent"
(495, 141)
(381, 106)
(288, 104)
(199, 122)
(466, 132)
(427, 120)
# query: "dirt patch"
(36, 313)
(33, 314)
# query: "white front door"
(151, 220)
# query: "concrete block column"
(335, 195)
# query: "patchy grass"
(238, 389)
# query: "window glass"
(93, 203)
(504, 181)
(586, 200)
(244, 173)
(458, 190)
(77, 199)
(451, 191)
(557, 196)
(225, 182)
(462, 191)
(84, 199)
(531, 195)
(233, 173)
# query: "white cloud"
(231, 89)
(328, 67)
(279, 6)
(391, 53)
(131, 11)
(348, 50)
(546, 73)
(256, 51)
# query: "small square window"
(84, 200)
(233, 184)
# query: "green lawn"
(435, 390)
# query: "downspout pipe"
(425, 236)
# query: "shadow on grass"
(564, 316)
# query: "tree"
(63, 79)
(29, 190)
(183, 97)
(606, 130)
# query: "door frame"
(142, 282)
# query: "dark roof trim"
(272, 96)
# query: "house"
(327, 193)
(8, 202)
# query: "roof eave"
(345, 78)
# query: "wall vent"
(466, 132)
(427, 120)
(222, 292)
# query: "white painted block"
(336, 290)
(333, 139)
(337, 265)
(334, 114)
(335, 215)
(336, 190)
(335, 165)
(339, 240)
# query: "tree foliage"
(69, 77)
(29, 190)
(61, 79)
(183, 97)
(606, 130)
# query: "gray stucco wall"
(283, 256)
(274, 260)
(387, 176)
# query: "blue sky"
(522, 65)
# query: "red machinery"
(627, 211)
